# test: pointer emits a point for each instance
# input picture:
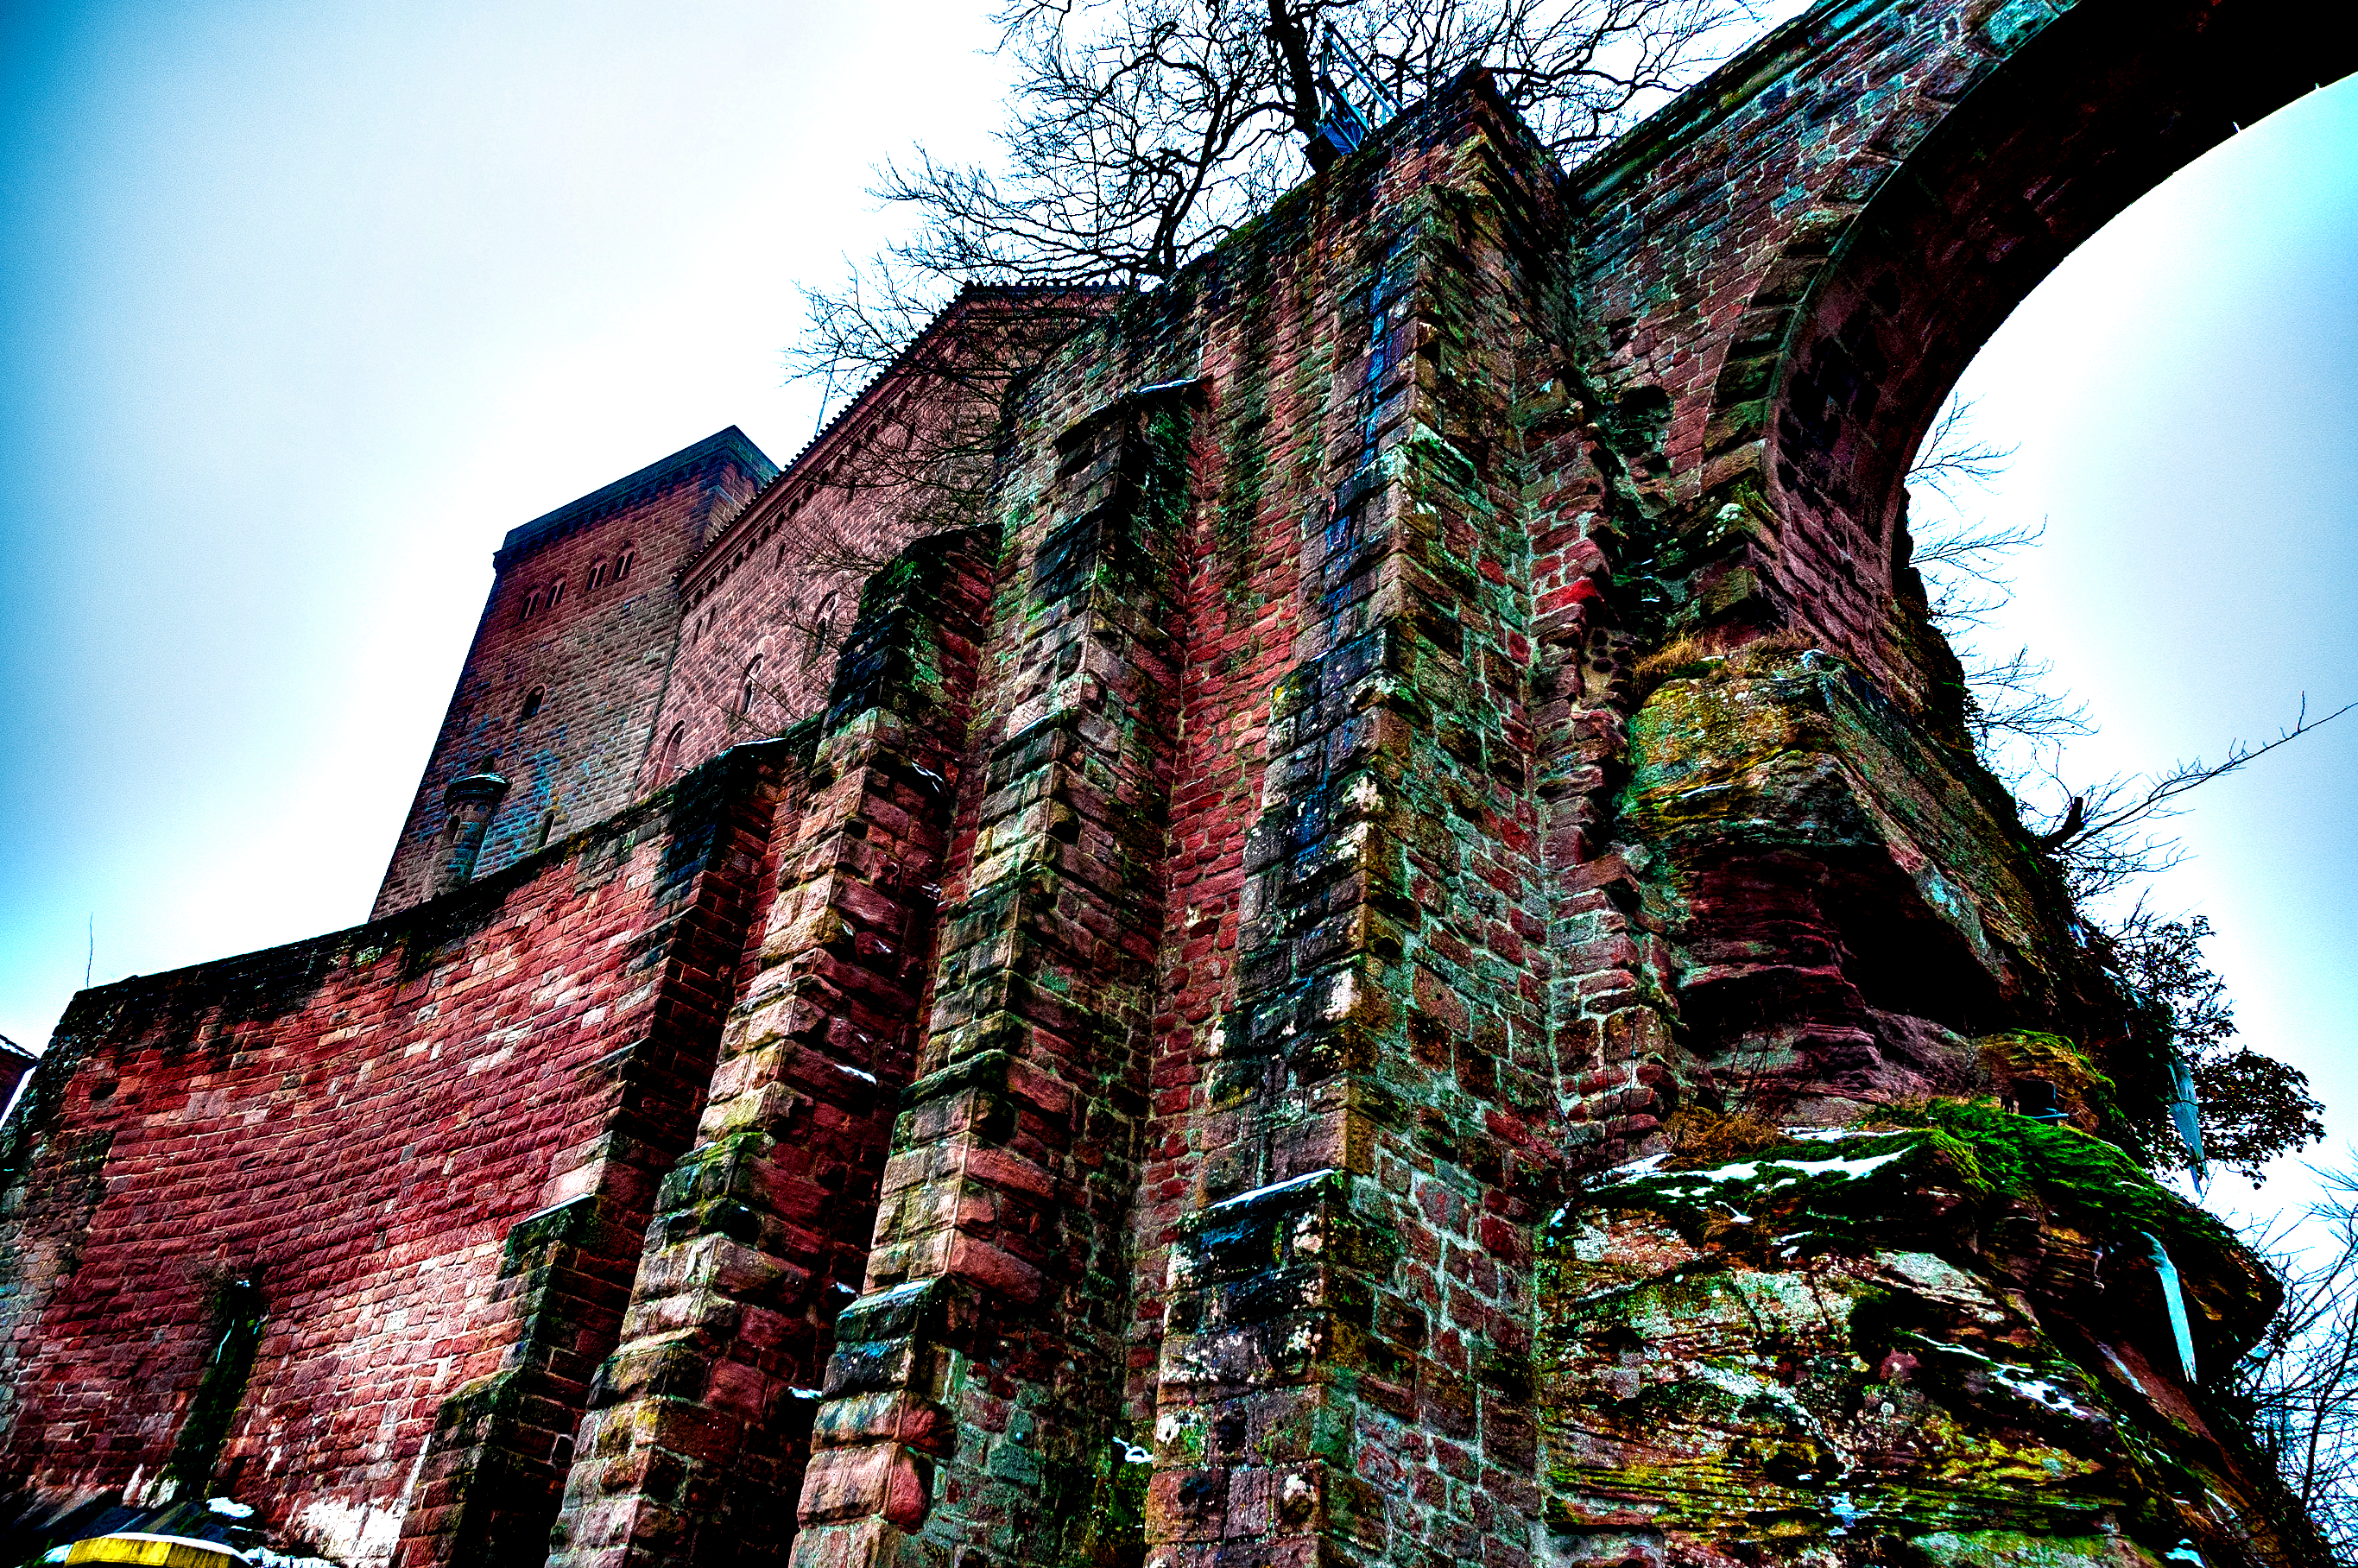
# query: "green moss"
(1112, 1523)
(2014, 1548)
(234, 1336)
(2091, 1183)
(1881, 1186)
(2034, 1053)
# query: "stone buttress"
(692, 1450)
(1344, 1371)
(971, 1400)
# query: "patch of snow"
(847, 1067)
(228, 1509)
(808, 1393)
(2183, 1552)
(358, 1534)
(2037, 1390)
(1131, 1453)
(1784, 1171)
(541, 1214)
(1318, 1175)
(2022, 1383)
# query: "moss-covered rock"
(1850, 904)
(1919, 1340)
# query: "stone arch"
(2039, 130)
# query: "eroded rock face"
(1837, 1350)
(1844, 898)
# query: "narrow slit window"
(555, 592)
(623, 562)
(822, 625)
(751, 689)
(533, 700)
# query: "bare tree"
(1141, 133)
(1953, 460)
(2104, 839)
(2101, 833)
(2299, 1383)
(2015, 717)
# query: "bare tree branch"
(1141, 133)
(1953, 459)
(2097, 832)
(2010, 707)
(2299, 1383)
(2109, 845)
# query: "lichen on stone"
(1917, 1336)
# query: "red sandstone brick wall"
(781, 583)
(356, 1123)
(599, 658)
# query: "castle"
(1232, 1003)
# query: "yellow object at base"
(155, 1551)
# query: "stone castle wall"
(430, 1142)
(1146, 1067)
(770, 599)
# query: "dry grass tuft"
(1683, 653)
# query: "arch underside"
(2077, 123)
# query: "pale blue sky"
(2183, 395)
(305, 305)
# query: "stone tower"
(556, 704)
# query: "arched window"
(597, 576)
(548, 827)
(822, 625)
(533, 700)
(622, 562)
(555, 592)
(531, 603)
(670, 762)
(751, 689)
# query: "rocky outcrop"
(1941, 1343)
